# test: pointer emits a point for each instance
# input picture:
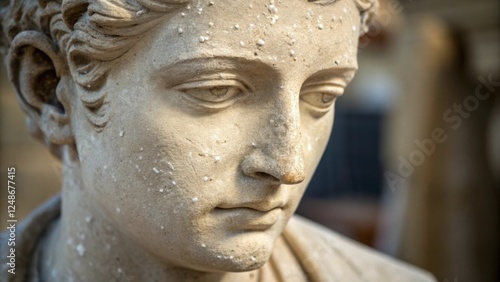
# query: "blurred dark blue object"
(351, 166)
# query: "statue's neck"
(85, 245)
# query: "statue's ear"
(35, 68)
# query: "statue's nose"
(278, 156)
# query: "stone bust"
(188, 131)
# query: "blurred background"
(413, 165)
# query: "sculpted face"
(217, 121)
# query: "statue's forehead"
(291, 31)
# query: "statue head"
(193, 127)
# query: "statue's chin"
(235, 265)
(231, 259)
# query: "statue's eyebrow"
(192, 67)
(344, 74)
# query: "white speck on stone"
(188, 7)
(242, 43)
(141, 149)
(274, 19)
(217, 159)
(80, 249)
(211, 3)
(162, 227)
(272, 9)
(205, 178)
(88, 218)
(236, 26)
(203, 39)
(292, 53)
(140, 12)
(231, 257)
(353, 28)
(180, 30)
(119, 270)
(170, 165)
(121, 133)
(105, 167)
(118, 210)
(183, 15)
(195, 199)
(309, 147)
(140, 157)
(173, 182)
(254, 145)
(161, 190)
(321, 26)
(271, 120)
(156, 170)
(203, 245)
(210, 24)
(252, 258)
(261, 42)
(310, 13)
(69, 241)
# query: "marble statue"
(188, 131)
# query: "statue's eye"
(320, 96)
(322, 100)
(213, 93)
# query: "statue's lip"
(262, 206)
(250, 218)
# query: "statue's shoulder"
(18, 249)
(325, 251)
